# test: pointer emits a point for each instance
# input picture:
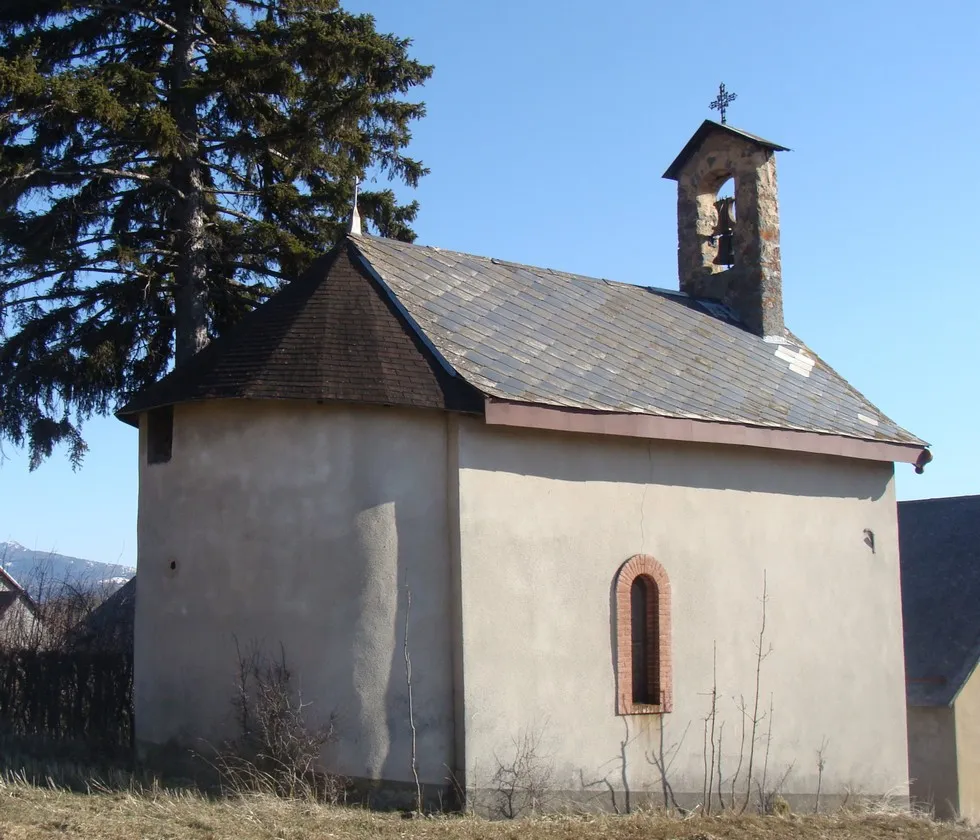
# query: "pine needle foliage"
(164, 165)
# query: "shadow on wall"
(428, 642)
(310, 547)
(360, 653)
(580, 457)
(397, 539)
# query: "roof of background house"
(939, 543)
(110, 625)
(517, 333)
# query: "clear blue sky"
(550, 124)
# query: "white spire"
(355, 218)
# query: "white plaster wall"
(547, 519)
(299, 525)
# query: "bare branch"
(127, 10)
(760, 656)
(411, 707)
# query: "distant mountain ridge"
(36, 570)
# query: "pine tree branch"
(98, 51)
(73, 269)
(211, 42)
(243, 216)
(96, 170)
(98, 7)
(139, 176)
(66, 295)
(228, 173)
(247, 193)
(258, 269)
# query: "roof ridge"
(357, 239)
(961, 497)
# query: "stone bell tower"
(728, 249)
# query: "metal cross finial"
(722, 101)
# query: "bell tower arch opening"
(728, 224)
(719, 210)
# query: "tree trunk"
(190, 276)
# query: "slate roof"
(939, 544)
(536, 335)
(109, 627)
(523, 334)
(332, 334)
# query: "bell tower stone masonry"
(730, 254)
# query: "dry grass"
(28, 812)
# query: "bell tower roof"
(709, 127)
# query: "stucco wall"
(966, 710)
(547, 519)
(933, 781)
(301, 525)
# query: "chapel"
(618, 531)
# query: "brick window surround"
(658, 629)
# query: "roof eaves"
(23, 593)
(914, 440)
(698, 137)
(693, 429)
(8, 578)
(958, 683)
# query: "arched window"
(643, 638)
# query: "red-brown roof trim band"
(648, 426)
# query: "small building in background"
(940, 558)
(20, 618)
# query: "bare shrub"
(59, 610)
(711, 755)
(663, 760)
(275, 752)
(714, 782)
(821, 765)
(771, 800)
(522, 782)
(622, 766)
(762, 652)
(411, 705)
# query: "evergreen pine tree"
(164, 165)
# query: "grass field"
(28, 811)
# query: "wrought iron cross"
(722, 101)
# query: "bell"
(724, 232)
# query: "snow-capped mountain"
(43, 572)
